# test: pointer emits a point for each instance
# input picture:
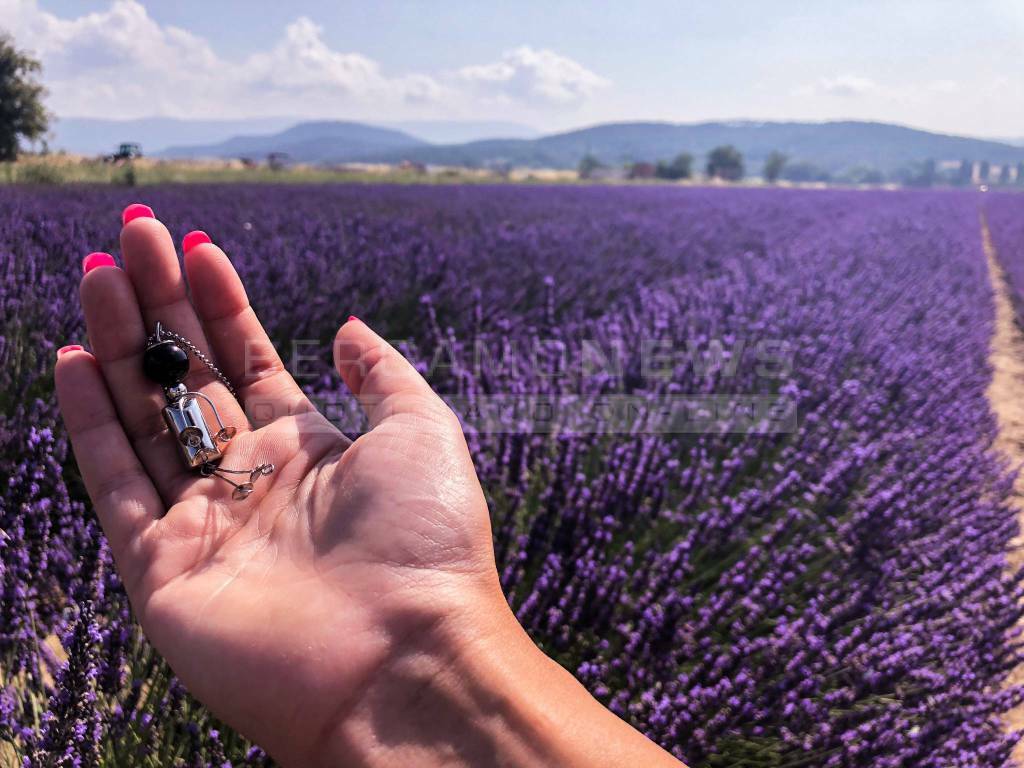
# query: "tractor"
(125, 152)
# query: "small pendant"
(166, 362)
(185, 419)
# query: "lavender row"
(1004, 215)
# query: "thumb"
(384, 382)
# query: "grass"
(60, 168)
(70, 169)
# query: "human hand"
(349, 608)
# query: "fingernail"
(136, 211)
(353, 317)
(69, 348)
(94, 260)
(194, 238)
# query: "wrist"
(443, 692)
(466, 686)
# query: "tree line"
(724, 162)
(727, 164)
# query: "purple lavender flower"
(835, 594)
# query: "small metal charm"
(166, 362)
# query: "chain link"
(161, 332)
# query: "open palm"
(285, 610)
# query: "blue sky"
(949, 66)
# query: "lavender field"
(833, 591)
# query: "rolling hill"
(833, 146)
(313, 142)
(460, 131)
(98, 136)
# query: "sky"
(945, 65)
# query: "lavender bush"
(1004, 215)
(831, 591)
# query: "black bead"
(165, 363)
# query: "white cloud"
(114, 63)
(303, 63)
(846, 85)
(119, 62)
(303, 60)
(526, 73)
(122, 36)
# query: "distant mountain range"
(314, 142)
(834, 147)
(93, 136)
(459, 131)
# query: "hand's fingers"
(152, 265)
(240, 344)
(118, 336)
(126, 502)
(384, 382)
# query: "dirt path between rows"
(1006, 399)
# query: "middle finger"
(153, 268)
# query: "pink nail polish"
(94, 260)
(194, 238)
(68, 348)
(353, 317)
(136, 211)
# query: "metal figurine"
(166, 362)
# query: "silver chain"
(161, 332)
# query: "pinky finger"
(123, 495)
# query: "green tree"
(681, 167)
(773, 166)
(804, 171)
(983, 171)
(22, 115)
(588, 164)
(1004, 174)
(726, 163)
(859, 174)
(922, 174)
(641, 170)
(1020, 174)
(966, 173)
